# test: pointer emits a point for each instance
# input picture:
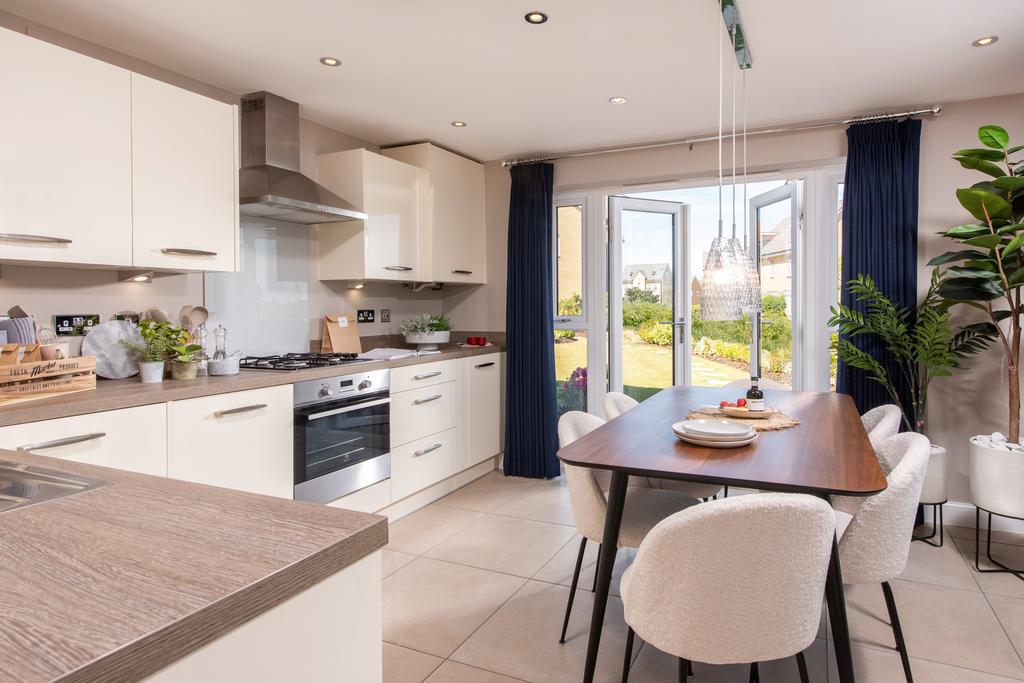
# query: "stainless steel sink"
(24, 485)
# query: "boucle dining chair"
(615, 404)
(734, 581)
(874, 542)
(644, 508)
(882, 422)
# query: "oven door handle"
(348, 409)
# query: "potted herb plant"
(990, 279)
(155, 349)
(184, 363)
(427, 331)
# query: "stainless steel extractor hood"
(269, 184)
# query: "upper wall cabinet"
(388, 245)
(65, 156)
(456, 208)
(184, 179)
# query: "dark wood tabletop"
(827, 453)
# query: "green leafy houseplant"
(158, 340)
(426, 323)
(923, 343)
(991, 271)
(185, 353)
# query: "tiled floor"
(475, 589)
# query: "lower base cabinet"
(421, 463)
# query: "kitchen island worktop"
(117, 583)
(128, 393)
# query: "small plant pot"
(184, 369)
(427, 341)
(997, 479)
(151, 372)
(933, 492)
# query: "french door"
(648, 295)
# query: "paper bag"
(340, 335)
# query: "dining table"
(826, 454)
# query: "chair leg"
(685, 669)
(629, 654)
(597, 568)
(897, 631)
(572, 589)
(755, 674)
(801, 663)
(725, 492)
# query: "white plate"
(682, 431)
(716, 427)
(696, 441)
(113, 359)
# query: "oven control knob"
(325, 391)
(365, 384)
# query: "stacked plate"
(713, 433)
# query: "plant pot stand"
(937, 525)
(1003, 569)
(935, 495)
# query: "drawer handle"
(485, 365)
(66, 441)
(459, 271)
(42, 239)
(421, 401)
(401, 268)
(176, 251)
(424, 451)
(428, 375)
(238, 411)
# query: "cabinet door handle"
(459, 271)
(177, 251)
(428, 375)
(421, 401)
(401, 268)
(485, 365)
(42, 239)
(424, 451)
(239, 411)
(66, 441)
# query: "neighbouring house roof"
(780, 241)
(649, 271)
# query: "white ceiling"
(410, 67)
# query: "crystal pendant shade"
(731, 286)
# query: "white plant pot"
(934, 490)
(151, 373)
(997, 480)
(427, 341)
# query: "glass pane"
(776, 241)
(833, 359)
(571, 370)
(647, 272)
(569, 263)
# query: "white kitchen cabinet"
(65, 156)
(455, 203)
(184, 178)
(133, 439)
(241, 440)
(386, 246)
(423, 463)
(421, 412)
(481, 408)
(422, 375)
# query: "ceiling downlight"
(535, 17)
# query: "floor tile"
(423, 529)
(881, 666)
(504, 544)
(487, 493)
(943, 566)
(1010, 612)
(940, 624)
(454, 672)
(521, 639)
(433, 606)
(967, 533)
(997, 583)
(545, 502)
(559, 569)
(402, 665)
(654, 666)
(392, 561)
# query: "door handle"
(239, 411)
(42, 239)
(176, 251)
(424, 451)
(400, 268)
(485, 365)
(459, 271)
(66, 441)
(674, 324)
(421, 401)
(427, 375)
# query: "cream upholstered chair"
(644, 508)
(733, 581)
(762, 382)
(882, 422)
(615, 404)
(874, 543)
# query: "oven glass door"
(337, 434)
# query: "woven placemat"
(773, 423)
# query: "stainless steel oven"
(342, 435)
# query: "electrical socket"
(385, 315)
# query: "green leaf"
(982, 165)
(966, 231)
(994, 136)
(972, 272)
(1016, 278)
(977, 201)
(1011, 227)
(981, 153)
(1015, 244)
(969, 289)
(1009, 183)
(1014, 150)
(988, 241)
(951, 256)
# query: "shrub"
(641, 296)
(653, 333)
(635, 314)
(778, 360)
(571, 305)
(564, 335)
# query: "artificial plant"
(426, 323)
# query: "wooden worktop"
(116, 583)
(127, 393)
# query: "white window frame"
(570, 322)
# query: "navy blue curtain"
(531, 421)
(880, 234)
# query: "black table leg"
(836, 599)
(606, 563)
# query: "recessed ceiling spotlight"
(330, 61)
(535, 17)
(459, 124)
(617, 100)
(985, 41)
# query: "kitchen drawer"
(422, 375)
(242, 440)
(420, 412)
(423, 463)
(133, 439)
